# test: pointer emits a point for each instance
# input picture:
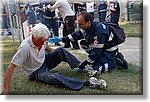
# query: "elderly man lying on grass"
(37, 65)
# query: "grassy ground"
(133, 30)
(119, 81)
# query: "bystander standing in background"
(115, 11)
(102, 10)
(31, 15)
(5, 22)
(69, 19)
(49, 18)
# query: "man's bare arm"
(7, 78)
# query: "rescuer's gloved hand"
(54, 39)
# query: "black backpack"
(118, 32)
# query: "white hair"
(40, 30)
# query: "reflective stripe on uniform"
(48, 17)
(98, 45)
(111, 37)
(89, 48)
(103, 68)
(84, 47)
(100, 70)
(89, 60)
(71, 38)
(112, 48)
(104, 27)
(106, 67)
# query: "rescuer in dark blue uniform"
(98, 42)
(102, 10)
(49, 18)
(115, 11)
(31, 15)
(5, 22)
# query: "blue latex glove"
(54, 39)
(77, 70)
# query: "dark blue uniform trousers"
(106, 61)
(51, 24)
(68, 29)
(102, 16)
(114, 18)
(52, 59)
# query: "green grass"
(120, 81)
(9, 49)
(133, 30)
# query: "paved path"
(132, 50)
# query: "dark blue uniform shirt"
(115, 14)
(102, 7)
(95, 39)
(47, 13)
(31, 14)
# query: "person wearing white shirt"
(90, 8)
(69, 19)
(37, 64)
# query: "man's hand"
(54, 39)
